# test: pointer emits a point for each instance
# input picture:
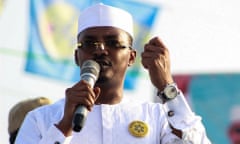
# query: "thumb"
(97, 91)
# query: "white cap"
(235, 114)
(104, 15)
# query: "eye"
(114, 44)
(87, 44)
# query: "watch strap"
(162, 96)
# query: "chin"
(104, 76)
(102, 80)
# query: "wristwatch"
(169, 92)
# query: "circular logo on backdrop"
(58, 28)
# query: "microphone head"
(90, 67)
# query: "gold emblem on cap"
(138, 128)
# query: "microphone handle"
(81, 112)
(79, 118)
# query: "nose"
(99, 45)
(100, 49)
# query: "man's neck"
(110, 96)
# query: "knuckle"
(68, 91)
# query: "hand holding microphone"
(89, 72)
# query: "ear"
(76, 57)
(132, 57)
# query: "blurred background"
(37, 39)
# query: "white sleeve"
(181, 117)
(31, 132)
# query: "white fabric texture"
(108, 124)
(104, 15)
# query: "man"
(18, 112)
(234, 127)
(105, 35)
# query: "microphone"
(89, 72)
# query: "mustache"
(103, 60)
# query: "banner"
(1, 6)
(212, 96)
(52, 36)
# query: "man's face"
(234, 133)
(108, 46)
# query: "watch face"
(170, 92)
